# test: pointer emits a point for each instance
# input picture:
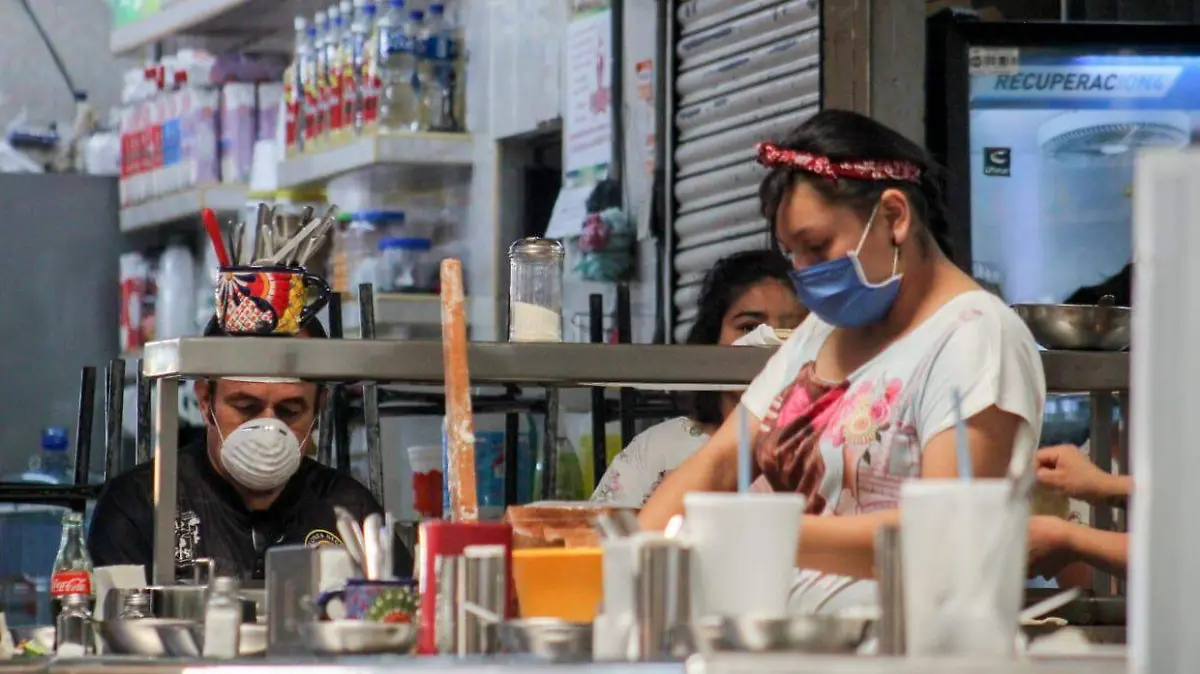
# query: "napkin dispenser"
(296, 576)
(442, 548)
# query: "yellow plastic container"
(564, 583)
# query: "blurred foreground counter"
(1110, 662)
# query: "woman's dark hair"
(842, 135)
(724, 285)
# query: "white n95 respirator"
(261, 454)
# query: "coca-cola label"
(63, 583)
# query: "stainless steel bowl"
(1082, 327)
(140, 636)
(358, 637)
(187, 641)
(795, 634)
(548, 639)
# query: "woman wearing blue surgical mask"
(860, 398)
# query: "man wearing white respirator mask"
(248, 487)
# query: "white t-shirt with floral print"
(638, 470)
(868, 439)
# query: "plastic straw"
(743, 452)
(961, 447)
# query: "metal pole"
(83, 427)
(338, 402)
(166, 475)
(114, 408)
(366, 309)
(599, 441)
(625, 336)
(144, 438)
(550, 446)
(512, 438)
(1101, 450)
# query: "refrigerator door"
(60, 303)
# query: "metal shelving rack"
(551, 366)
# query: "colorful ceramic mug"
(268, 300)
(379, 601)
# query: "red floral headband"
(773, 156)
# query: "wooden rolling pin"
(460, 423)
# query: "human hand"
(1049, 545)
(1065, 469)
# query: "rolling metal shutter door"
(745, 71)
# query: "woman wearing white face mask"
(247, 487)
(746, 296)
(860, 397)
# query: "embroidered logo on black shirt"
(318, 537)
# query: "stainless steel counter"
(417, 362)
(725, 664)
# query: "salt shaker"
(535, 290)
(222, 619)
(137, 605)
(73, 630)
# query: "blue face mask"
(838, 291)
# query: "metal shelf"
(560, 364)
(410, 149)
(182, 206)
(176, 18)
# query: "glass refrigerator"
(1037, 125)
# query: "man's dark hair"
(842, 135)
(312, 328)
(725, 284)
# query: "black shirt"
(212, 520)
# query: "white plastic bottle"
(441, 52)
(175, 313)
(320, 109)
(394, 52)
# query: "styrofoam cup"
(425, 458)
(950, 528)
(744, 551)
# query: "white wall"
(79, 30)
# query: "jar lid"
(396, 243)
(373, 217)
(536, 247)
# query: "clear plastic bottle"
(308, 84)
(293, 91)
(331, 62)
(421, 73)
(440, 94)
(365, 96)
(54, 461)
(394, 47)
(222, 619)
(320, 109)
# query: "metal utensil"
(388, 537)
(239, 242)
(1049, 605)
(352, 536)
(314, 242)
(795, 634)
(358, 637)
(281, 254)
(1101, 327)
(547, 638)
(372, 559)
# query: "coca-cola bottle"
(72, 567)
